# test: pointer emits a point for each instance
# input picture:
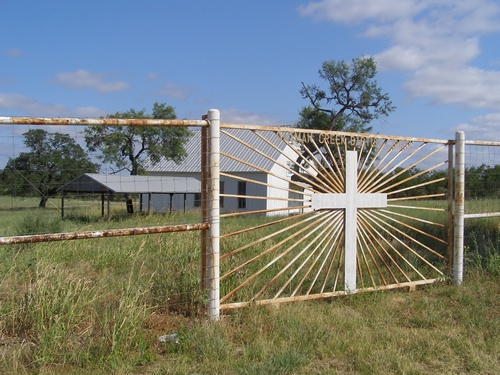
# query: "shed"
(255, 169)
(107, 185)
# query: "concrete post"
(458, 232)
(213, 271)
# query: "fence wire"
(167, 266)
(482, 203)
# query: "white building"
(254, 169)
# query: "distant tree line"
(54, 159)
(480, 182)
(413, 182)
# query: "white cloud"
(434, 41)
(411, 56)
(235, 116)
(485, 127)
(84, 79)
(153, 76)
(175, 90)
(20, 102)
(357, 11)
(32, 107)
(470, 87)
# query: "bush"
(38, 224)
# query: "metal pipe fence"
(288, 214)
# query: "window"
(242, 191)
(221, 198)
(197, 199)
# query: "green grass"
(435, 330)
(99, 306)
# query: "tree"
(482, 181)
(127, 147)
(53, 160)
(351, 100)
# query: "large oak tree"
(349, 101)
(52, 160)
(126, 148)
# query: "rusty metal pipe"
(97, 121)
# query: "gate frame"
(456, 194)
(210, 217)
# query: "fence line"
(483, 144)
(211, 194)
(51, 237)
(97, 121)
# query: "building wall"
(278, 186)
(289, 194)
(231, 204)
(161, 202)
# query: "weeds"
(99, 306)
(38, 224)
(483, 253)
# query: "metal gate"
(311, 214)
(291, 214)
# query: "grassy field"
(100, 306)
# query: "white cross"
(350, 201)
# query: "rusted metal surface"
(290, 134)
(101, 233)
(300, 253)
(98, 121)
(409, 285)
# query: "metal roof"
(242, 148)
(100, 183)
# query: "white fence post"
(458, 243)
(214, 216)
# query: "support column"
(458, 232)
(213, 272)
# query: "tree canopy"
(127, 147)
(350, 101)
(53, 159)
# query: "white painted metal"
(306, 246)
(458, 243)
(349, 201)
(355, 218)
(214, 217)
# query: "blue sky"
(438, 60)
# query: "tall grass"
(432, 331)
(86, 304)
(71, 314)
(99, 306)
